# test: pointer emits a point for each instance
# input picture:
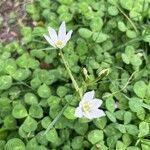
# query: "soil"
(12, 13)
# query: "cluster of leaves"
(35, 86)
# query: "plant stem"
(124, 87)
(70, 74)
(56, 119)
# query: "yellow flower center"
(59, 43)
(86, 107)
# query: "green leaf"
(146, 100)
(36, 111)
(110, 104)
(41, 138)
(100, 122)
(19, 111)
(111, 116)
(10, 66)
(95, 136)
(45, 122)
(21, 74)
(53, 101)
(128, 4)
(112, 140)
(143, 129)
(130, 51)
(121, 128)
(113, 11)
(30, 99)
(52, 136)
(5, 82)
(96, 24)
(140, 89)
(69, 113)
(136, 61)
(121, 26)
(125, 59)
(85, 33)
(10, 122)
(132, 129)
(15, 144)
(127, 117)
(29, 124)
(100, 37)
(133, 148)
(145, 147)
(127, 139)
(135, 104)
(80, 128)
(141, 114)
(62, 91)
(77, 142)
(44, 91)
(32, 144)
(120, 146)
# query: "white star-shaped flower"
(88, 107)
(60, 40)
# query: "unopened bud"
(104, 72)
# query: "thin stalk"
(124, 87)
(131, 22)
(70, 74)
(50, 126)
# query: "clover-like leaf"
(95, 136)
(19, 111)
(36, 111)
(140, 88)
(29, 124)
(144, 129)
(15, 144)
(5, 82)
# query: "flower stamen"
(86, 107)
(59, 43)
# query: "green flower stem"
(146, 106)
(50, 126)
(70, 74)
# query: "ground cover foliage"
(108, 53)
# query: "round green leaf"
(144, 129)
(29, 124)
(36, 111)
(15, 144)
(95, 136)
(69, 113)
(52, 136)
(140, 89)
(5, 82)
(30, 99)
(19, 111)
(85, 33)
(44, 91)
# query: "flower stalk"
(70, 74)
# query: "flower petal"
(96, 102)
(68, 36)
(88, 115)
(88, 96)
(62, 31)
(78, 112)
(49, 41)
(53, 34)
(96, 113)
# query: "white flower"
(60, 40)
(88, 107)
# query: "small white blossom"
(88, 107)
(60, 40)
